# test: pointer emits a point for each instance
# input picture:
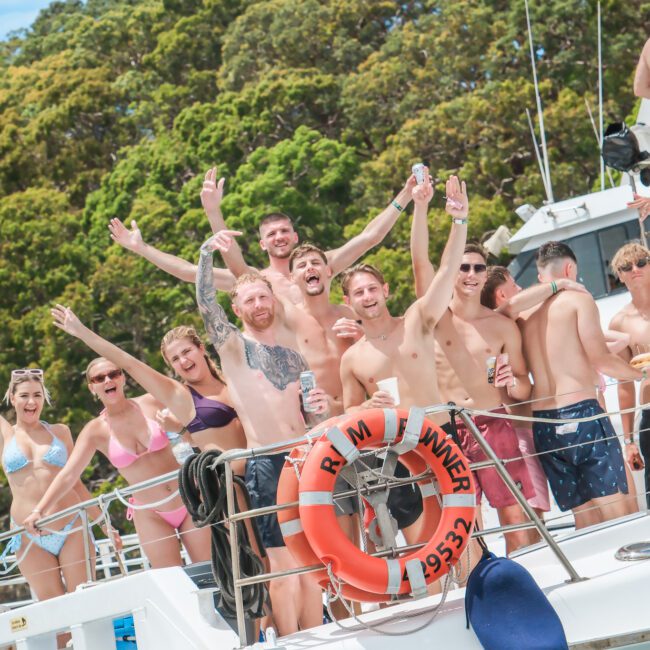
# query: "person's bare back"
(555, 352)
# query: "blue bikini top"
(13, 459)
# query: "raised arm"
(211, 197)
(176, 266)
(423, 270)
(67, 479)
(437, 296)
(220, 330)
(535, 295)
(593, 341)
(340, 258)
(642, 75)
(166, 390)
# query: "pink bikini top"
(121, 457)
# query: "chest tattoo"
(281, 366)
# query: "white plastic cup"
(389, 385)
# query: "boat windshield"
(594, 251)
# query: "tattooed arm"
(217, 325)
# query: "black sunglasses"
(478, 268)
(99, 379)
(640, 263)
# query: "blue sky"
(15, 14)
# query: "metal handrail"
(230, 456)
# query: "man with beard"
(262, 367)
(277, 238)
(564, 344)
(632, 265)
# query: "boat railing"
(465, 415)
(112, 562)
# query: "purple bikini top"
(209, 413)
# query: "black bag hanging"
(621, 148)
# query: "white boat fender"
(507, 610)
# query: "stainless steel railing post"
(234, 551)
(85, 532)
(503, 473)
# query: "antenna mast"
(540, 115)
(600, 97)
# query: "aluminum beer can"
(491, 366)
(307, 383)
(418, 171)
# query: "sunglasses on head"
(640, 263)
(478, 268)
(37, 373)
(99, 379)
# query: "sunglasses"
(37, 373)
(99, 379)
(478, 268)
(640, 263)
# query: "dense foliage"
(114, 108)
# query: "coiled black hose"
(203, 491)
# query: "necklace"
(382, 337)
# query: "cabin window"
(594, 251)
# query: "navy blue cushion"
(508, 611)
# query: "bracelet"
(554, 288)
(459, 222)
(35, 512)
(396, 205)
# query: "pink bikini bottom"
(173, 517)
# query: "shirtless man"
(402, 346)
(564, 343)
(300, 278)
(502, 293)
(262, 367)
(631, 264)
(277, 238)
(467, 335)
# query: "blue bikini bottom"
(52, 542)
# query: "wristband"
(628, 441)
(36, 512)
(397, 206)
(459, 222)
(554, 288)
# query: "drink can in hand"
(307, 383)
(418, 172)
(491, 366)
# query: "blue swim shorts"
(262, 478)
(581, 461)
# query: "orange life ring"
(349, 563)
(295, 538)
